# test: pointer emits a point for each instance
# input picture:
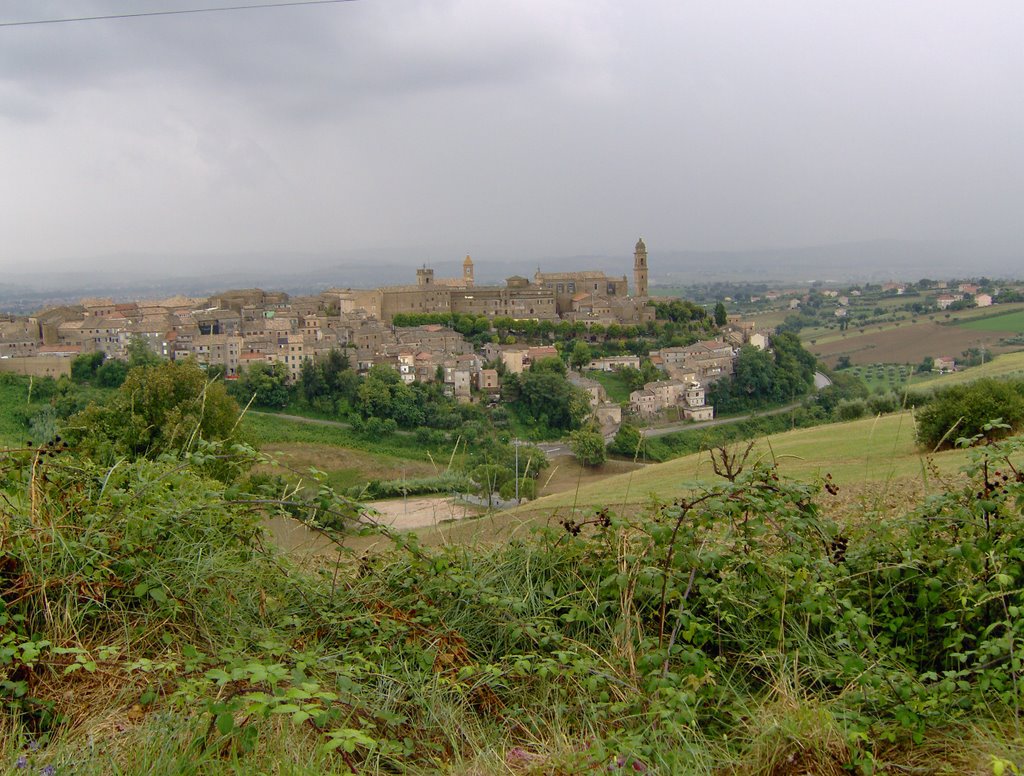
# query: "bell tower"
(640, 268)
(467, 272)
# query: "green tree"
(268, 383)
(140, 353)
(111, 373)
(628, 442)
(587, 445)
(85, 366)
(721, 316)
(964, 411)
(581, 355)
(158, 409)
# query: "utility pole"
(515, 442)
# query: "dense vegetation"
(149, 626)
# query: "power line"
(173, 13)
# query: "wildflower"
(47, 770)
(21, 762)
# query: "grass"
(157, 630)
(269, 429)
(616, 387)
(876, 451)
(1005, 365)
(344, 466)
(1001, 321)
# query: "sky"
(505, 128)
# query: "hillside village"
(234, 330)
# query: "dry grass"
(345, 467)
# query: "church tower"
(467, 272)
(640, 268)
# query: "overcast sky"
(507, 128)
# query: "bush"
(965, 411)
(851, 409)
(588, 447)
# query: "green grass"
(1006, 365)
(268, 429)
(616, 387)
(1001, 321)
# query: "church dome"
(640, 245)
(467, 262)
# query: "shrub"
(850, 409)
(965, 411)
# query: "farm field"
(1007, 322)
(907, 344)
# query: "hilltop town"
(234, 330)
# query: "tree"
(85, 366)
(140, 353)
(966, 410)
(628, 442)
(587, 445)
(111, 373)
(158, 409)
(268, 383)
(581, 355)
(721, 317)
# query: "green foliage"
(265, 385)
(83, 367)
(111, 374)
(160, 409)
(762, 378)
(544, 400)
(647, 642)
(679, 310)
(587, 445)
(628, 442)
(447, 483)
(721, 316)
(140, 353)
(966, 411)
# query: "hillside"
(871, 457)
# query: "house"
(943, 364)
(983, 300)
(611, 363)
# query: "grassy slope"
(874, 450)
(1006, 365)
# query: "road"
(553, 449)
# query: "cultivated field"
(907, 344)
(1008, 322)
